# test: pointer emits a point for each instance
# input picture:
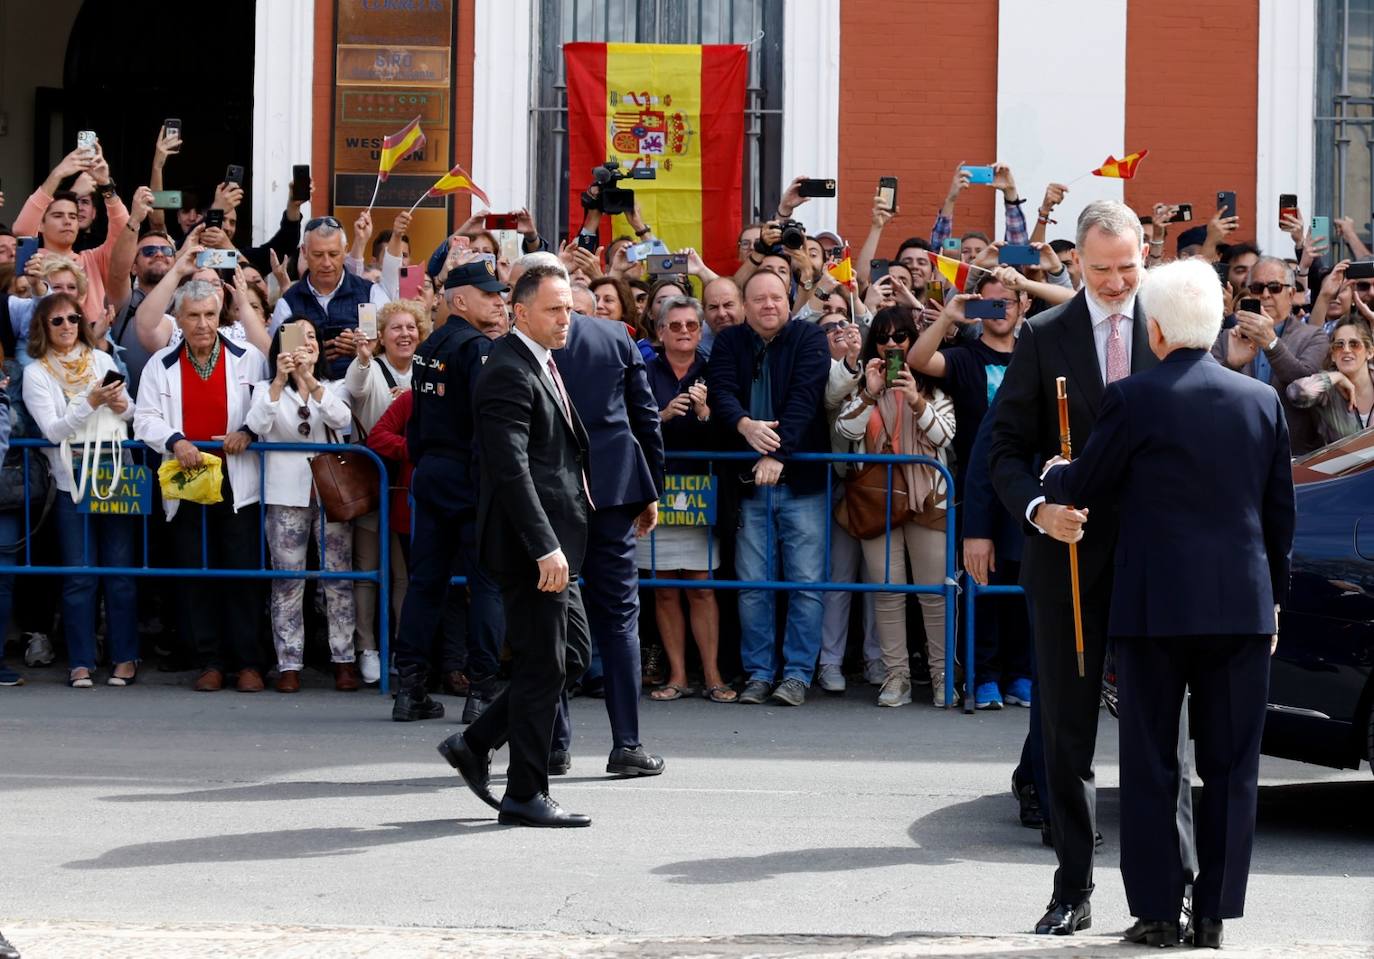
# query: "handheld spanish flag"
(409, 138)
(954, 271)
(843, 271)
(1122, 169)
(454, 181)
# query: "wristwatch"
(1272, 343)
(106, 190)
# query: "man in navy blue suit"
(606, 380)
(1195, 460)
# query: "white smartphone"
(367, 320)
(85, 141)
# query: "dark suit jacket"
(984, 515)
(603, 371)
(532, 501)
(1025, 434)
(1197, 458)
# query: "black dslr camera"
(609, 198)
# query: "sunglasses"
(1354, 346)
(684, 326)
(1273, 286)
(319, 221)
(828, 328)
(303, 427)
(1363, 286)
(73, 318)
(895, 336)
(147, 251)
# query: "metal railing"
(380, 576)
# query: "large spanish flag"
(678, 109)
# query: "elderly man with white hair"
(1194, 458)
(200, 390)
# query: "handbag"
(346, 482)
(864, 509)
(103, 426)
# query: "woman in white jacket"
(295, 406)
(65, 389)
(378, 374)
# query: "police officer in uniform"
(444, 485)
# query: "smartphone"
(217, 259)
(978, 174)
(166, 199)
(617, 200)
(877, 269)
(953, 245)
(300, 182)
(85, 141)
(1018, 255)
(172, 127)
(113, 376)
(1184, 214)
(814, 188)
(1321, 226)
(670, 265)
(215, 218)
(459, 242)
(1360, 270)
(639, 252)
(887, 191)
(501, 221)
(1288, 206)
(985, 310)
(588, 241)
(895, 361)
(23, 252)
(411, 278)
(1250, 305)
(935, 294)
(234, 174)
(367, 320)
(292, 337)
(1226, 202)
(1223, 272)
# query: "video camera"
(612, 199)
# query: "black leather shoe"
(475, 769)
(1153, 932)
(6, 950)
(1065, 918)
(1029, 803)
(538, 810)
(1047, 836)
(412, 699)
(560, 761)
(634, 762)
(1207, 933)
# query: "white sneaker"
(39, 651)
(937, 689)
(896, 690)
(875, 673)
(370, 665)
(830, 678)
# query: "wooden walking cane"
(1066, 451)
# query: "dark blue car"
(1321, 689)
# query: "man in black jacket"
(532, 535)
(768, 377)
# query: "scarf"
(74, 371)
(906, 437)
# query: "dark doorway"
(130, 65)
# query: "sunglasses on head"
(894, 336)
(1354, 346)
(147, 251)
(319, 221)
(1273, 286)
(73, 318)
(684, 326)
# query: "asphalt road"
(157, 805)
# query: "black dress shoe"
(1047, 836)
(634, 762)
(6, 950)
(538, 810)
(1153, 932)
(1065, 918)
(1029, 803)
(475, 769)
(1207, 933)
(560, 761)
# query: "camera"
(610, 198)
(793, 234)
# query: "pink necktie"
(1117, 367)
(567, 413)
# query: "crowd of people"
(112, 324)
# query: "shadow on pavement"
(284, 791)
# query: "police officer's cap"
(479, 273)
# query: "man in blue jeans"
(766, 379)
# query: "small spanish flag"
(456, 181)
(843, 271)
(954, 271)
(409, 138)
(1122, 169)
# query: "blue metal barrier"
(971, 593)
(380, 576)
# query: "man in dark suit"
(605, 376)
(532, 535)
(1195, 459)
(1094, 339)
